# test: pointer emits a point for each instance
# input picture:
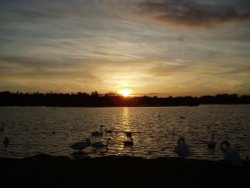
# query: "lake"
(155, 130)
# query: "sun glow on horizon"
(125, 92)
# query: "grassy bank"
(114, 171)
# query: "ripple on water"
(155, 131)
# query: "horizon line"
(160, 95)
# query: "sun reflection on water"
(154, 130)
(125, 127)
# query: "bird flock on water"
(230, 155)
(100, 145)
(181, 149)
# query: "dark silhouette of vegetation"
(112, 100)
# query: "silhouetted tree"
(112, 99)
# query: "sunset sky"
(157, 47)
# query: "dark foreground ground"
(113, 171)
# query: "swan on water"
(81, 145)
(108, 131)
(182, 148)
(97, 133)
(6, 141)
(99, 145)
(211, 144)
(128, 133)
(129, 142)
(229, 154)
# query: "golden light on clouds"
(156, 48)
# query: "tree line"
(95, 99)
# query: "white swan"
(211, 144)
(97, 133)
(99, 145)
(230, 155)
(81, 145)
(182, 148)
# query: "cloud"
(55, 12)
(193, 14)
(30, 68)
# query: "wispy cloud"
(196, 14)
(86, 45)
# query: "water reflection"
(154, 130)
(126, 127)
(126, 124)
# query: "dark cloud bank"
(191, 13)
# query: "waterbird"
(99, 145)
(108, 131)
(182, 148)
(229, 154)
(81, 145)
(97, 133)
(129, 142)
(211, 144)
(6, 141)
(128, 133)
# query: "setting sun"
(125, 92)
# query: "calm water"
(155, 130)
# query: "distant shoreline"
(96, 100)
(116, 171)
(122, 106)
